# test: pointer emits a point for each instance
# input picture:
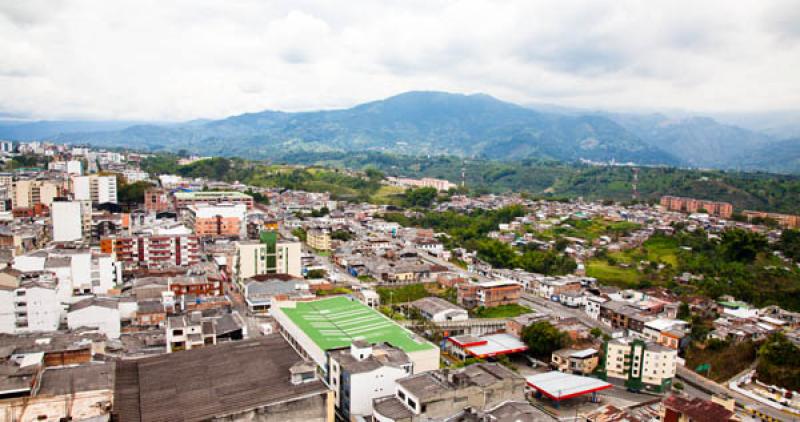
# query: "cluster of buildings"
(201, 304)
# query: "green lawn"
(608, 274)
(502, 311)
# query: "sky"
(188, 59)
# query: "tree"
(543, 339)
(342, 235)
(300, 233)
(684, 312)
(596, 332)
(132, 193)
(779, 362)
(422, 197)
(789, 244)
(742, 246)
(317, 273)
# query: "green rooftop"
(336, 322)
(210, 194)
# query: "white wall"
(7, 319)
(106, 320)
(44, 309)
(67, 222)
(370, 385)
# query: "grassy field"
(610, 274)
(387, 195)
(662, 249)
(503, 311)
(589, 229)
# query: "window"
(401, 394)
(177, 332)
(412, 403)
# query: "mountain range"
(434, 123)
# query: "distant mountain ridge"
(433, 123)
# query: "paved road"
(704, 383)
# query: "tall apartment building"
(29, 193)
(6, 147)
(692, 205)
(267, 256)
(67, 221)
(95, 188)
(222, 220)
(157, 200)
(150, 250)
(640, 365)
(186, 199)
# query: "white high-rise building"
(98, 189)
(67, 221)
(72, 167)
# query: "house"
(437, 395)
(683, 409)
(439, 310)
(488, 293)
(580, 362)
(189, 333)
(98, 313)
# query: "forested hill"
(758, 191)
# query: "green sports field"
(334, 323)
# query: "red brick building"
(692, 205)
(488, 294)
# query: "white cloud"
(149, 59)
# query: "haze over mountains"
(443, 123)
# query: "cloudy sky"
(177, 60)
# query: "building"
(157, 200)
(267, 256)
(259, 379)
(101, 314)
(640, 365)
(483, 347)
(28, 303)
(488, 293)
(71, 167)
(559, 386)
(580, 362)
(363, 372)
(77, 270)
(223, 220)
(186, 199)
(187, 333)
(315, 328)
(788, 221)
(692, 205)
(319, 239)
(55, 393)
(95, 188)
(261, 290)
(30, 193)
(682, 409)
(67, 221)
(153, 250)
(437, 395)
(439, 310)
